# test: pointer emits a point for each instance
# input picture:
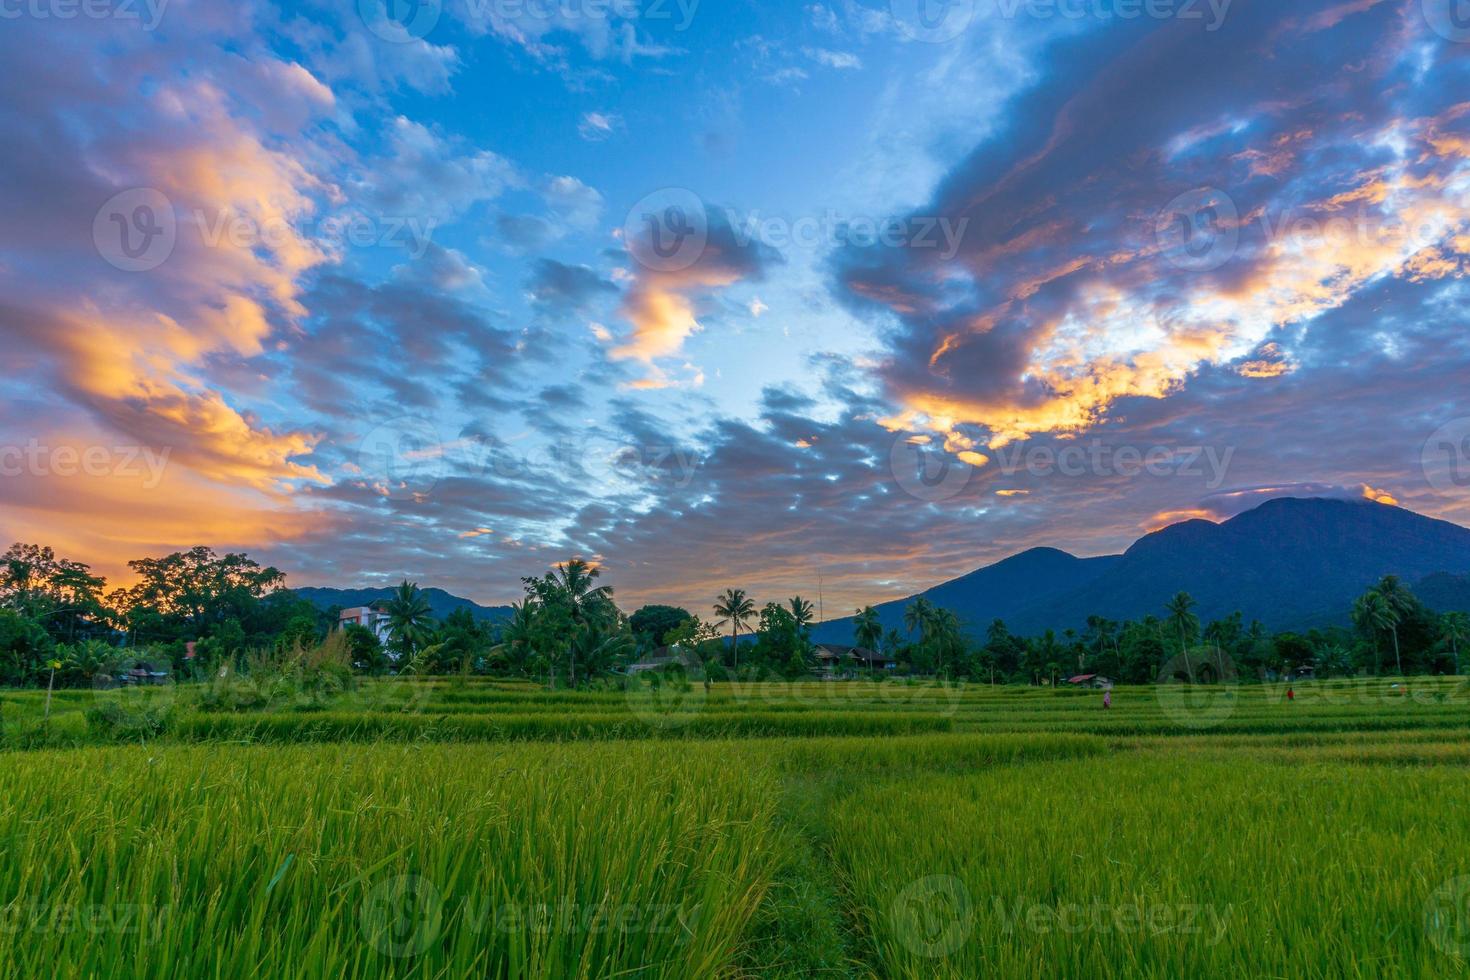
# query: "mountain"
(1443, 592)
(995, 592)
(1291, 563)
(441, 602)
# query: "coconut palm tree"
(947, 637)
(802, 612)
(1376, 613)
(919, 617)
(576, 581)
(1181, 614)
(1454, 627)
(736, 609)
(866, 629)
(409, 619)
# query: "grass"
(444, 828)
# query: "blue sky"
(376, 287)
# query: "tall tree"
(588, 601)
(1375, 614)
(735, 609)
(803, 612)
(918, 617)
(1181, 615)
(867, 631)
(409, 620)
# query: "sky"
(842, 298)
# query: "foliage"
(651, 624)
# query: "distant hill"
(998, 591)
(441, 602)
(1291, 563)
(1443, 592)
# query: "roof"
(1080, 678)
(834, 651)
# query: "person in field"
(1107, 699)
(1290, 694)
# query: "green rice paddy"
(451, 828)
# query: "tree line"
(191, 611)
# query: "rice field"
(450, 828)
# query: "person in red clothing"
(1290, 694)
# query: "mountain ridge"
(441, 603)
(1292, 563)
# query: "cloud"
(1093, 268)
(833, 59)
(661, 304)
(598, 126)
(565, 288)
(573, 202)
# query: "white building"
(366, 617)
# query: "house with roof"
(664, 658)
(836, 660)
(1096, 682)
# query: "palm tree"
(409, 619)
(867, 630)
(802, 612)
(515, 634)
(1181, 614)
(575, 581)
(947, 632)
(919, 616)
(736, 609)
(599, 648)
(1454, 627)
(1376, 613)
